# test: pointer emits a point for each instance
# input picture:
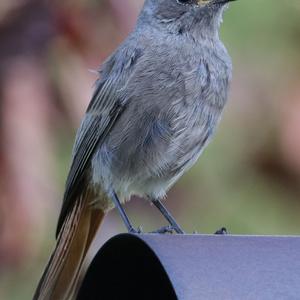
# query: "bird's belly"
(151, 158)
(128, 176)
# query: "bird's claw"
(139, 230)
(222, 231)
(164, 230)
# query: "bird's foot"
(164, 230)
(138, 230)
(222, 231)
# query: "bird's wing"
(102, 113)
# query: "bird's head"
(184, 16)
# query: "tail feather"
(62, 271)
(97, 216)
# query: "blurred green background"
(247, 179)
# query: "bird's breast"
(172, 114)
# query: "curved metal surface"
(194, 267)
(126, 268)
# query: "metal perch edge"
(194, 267)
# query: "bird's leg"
(168, 216)
(123, 214)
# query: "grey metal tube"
(194, 267)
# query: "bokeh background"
(247, 179)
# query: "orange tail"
(59, 279)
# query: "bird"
(156, 104)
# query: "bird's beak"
(202, 2)
(222, 1)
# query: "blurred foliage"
(257, 26)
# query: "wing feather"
(102, 112)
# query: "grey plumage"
(156, 104)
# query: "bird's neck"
(196, 26)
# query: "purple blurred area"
(247, 180)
